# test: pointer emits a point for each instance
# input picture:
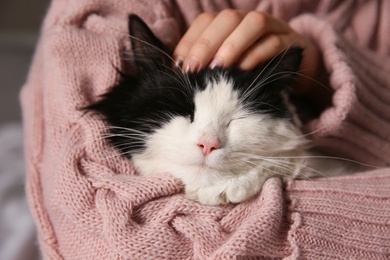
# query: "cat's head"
(202, 127)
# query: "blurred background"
(20, 21)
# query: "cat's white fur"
(253, 147)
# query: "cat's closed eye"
(230, 121)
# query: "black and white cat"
(223, 132)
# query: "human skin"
(245, 39)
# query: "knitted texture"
(89, 203)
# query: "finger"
(266, 48)
(190, 37)
(205, 47)
(254, 26)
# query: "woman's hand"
(234, 37)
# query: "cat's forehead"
(217, 98)
(217, 91)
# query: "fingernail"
(179, 62)
(216, 62)
(192, 65)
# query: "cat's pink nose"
(208, 146)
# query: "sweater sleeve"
(340, 218)
(357, 124)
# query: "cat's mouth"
(212, 161)
(206, 165)
(217, 164)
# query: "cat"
(223, 131)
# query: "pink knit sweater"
(89, 203)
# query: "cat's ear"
(148, 51)
(281, 70)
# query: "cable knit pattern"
(89, 203)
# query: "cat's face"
(224, 137)
(208, 128)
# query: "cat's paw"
(232, 190)
(210, 195)
(239, 192)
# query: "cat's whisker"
(292, 171)
(121, 128)
(178, 72)
(248, 106)
(125, 136)
(298, 171)
(312, 132)
(266, 80)
(125, 131)
(311, 157)
(248, 95)
(330, 90)
(184, 75)
(258, 158)
(99, 139)
(282, 54)
(126, 148)
(167, 55)
(270, 62)
(284, 51)
(137, 137)
(130, 152)
(188, 93)
(265, 67)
